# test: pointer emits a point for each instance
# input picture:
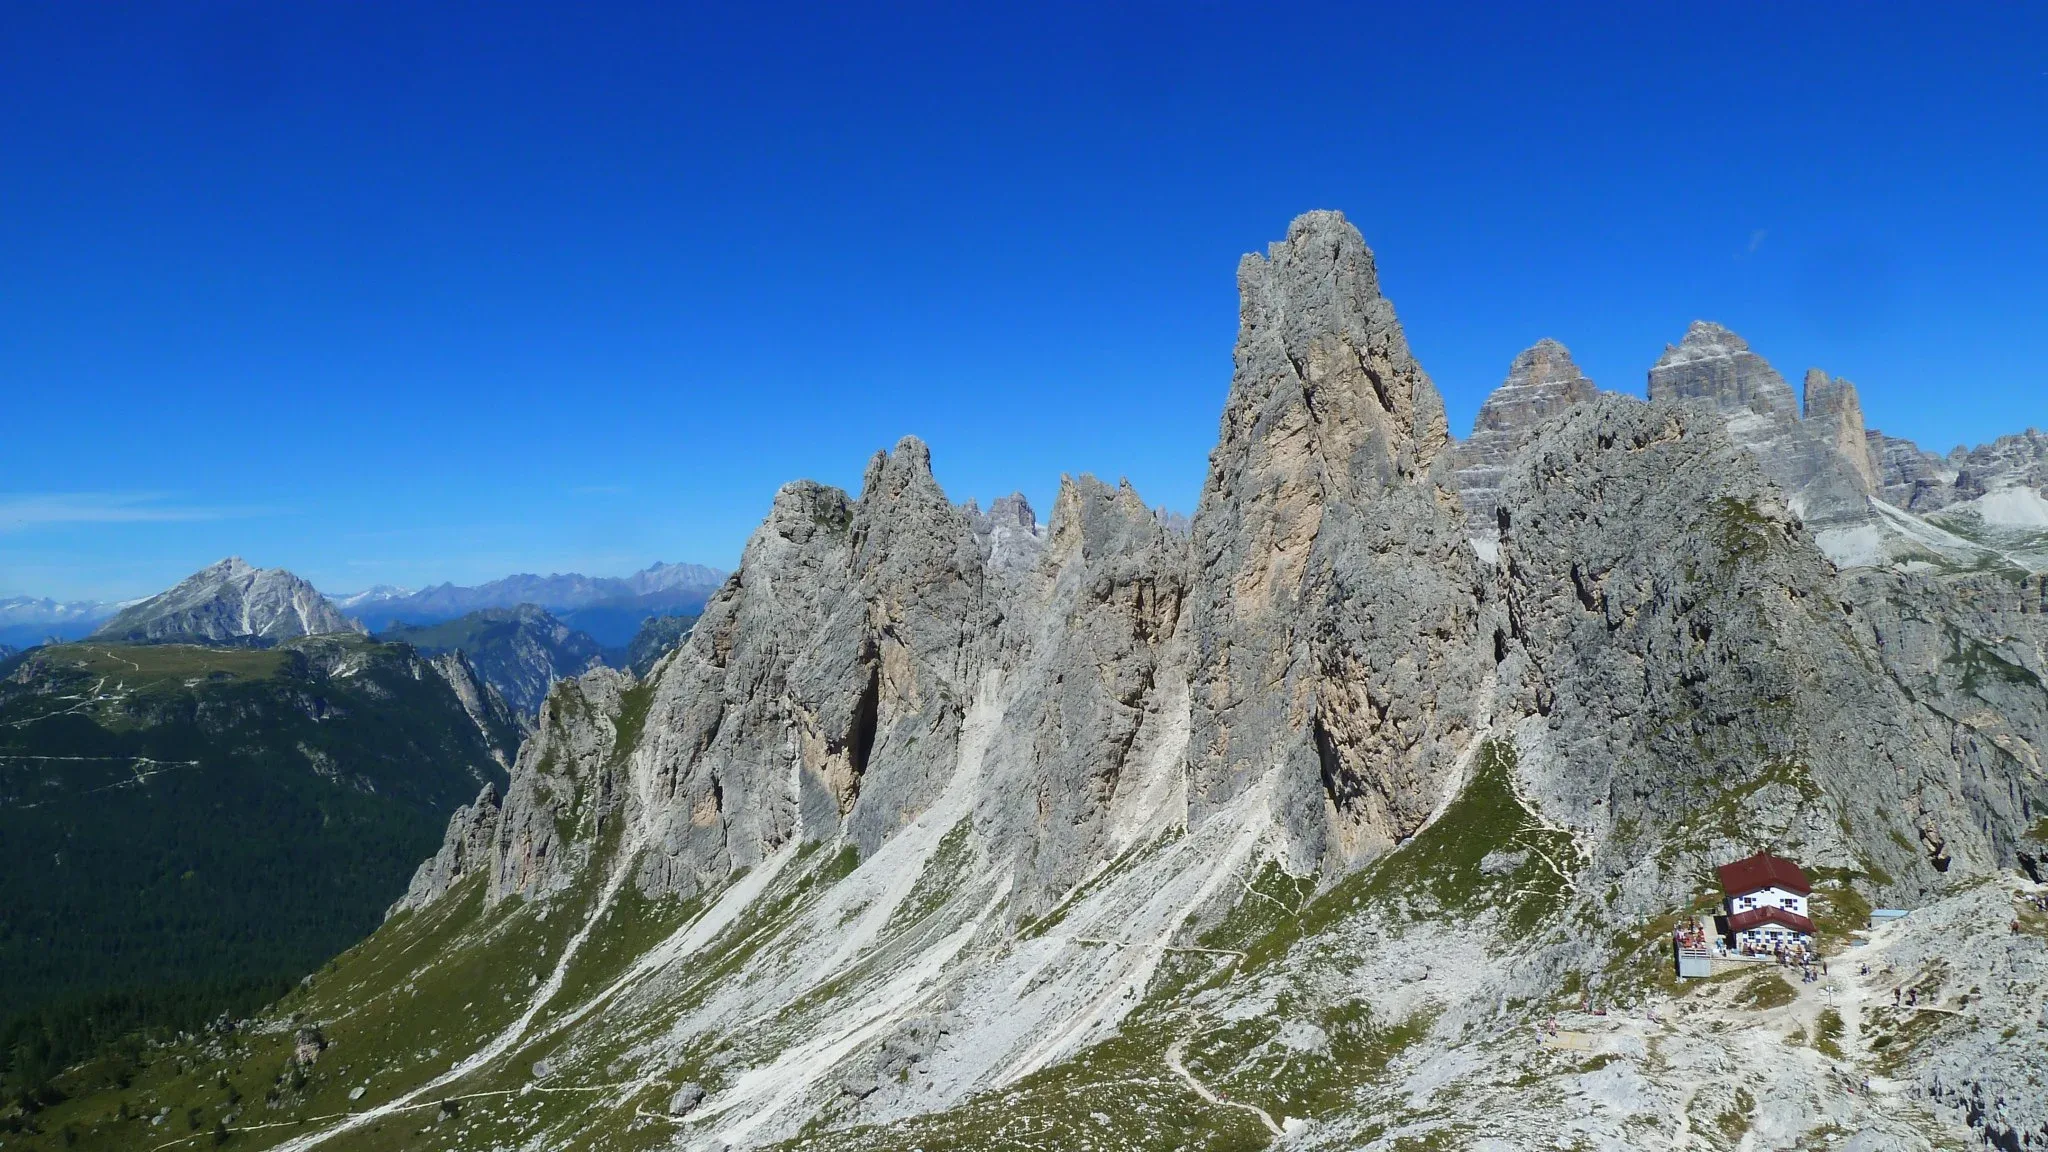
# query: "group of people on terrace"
(1693, 937)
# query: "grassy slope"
(1118, 1093)
(432, 985)
(185, 830)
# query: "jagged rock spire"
(1323, 534)
(1323, 366)
(1837, 413)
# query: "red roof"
(1763, 870)
(1771, 914)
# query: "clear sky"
(398, 293)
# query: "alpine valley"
(1356, 812)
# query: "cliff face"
(1804, 457)
(1334, 602)
(1673, 626)
(1837, 414)
(1542, 384)
(1086, 757)
(822, 693)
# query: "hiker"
(1823, 966)
(1895, 997)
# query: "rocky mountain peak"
(1833, 407)
(899, 471)
(232, 568)
(1009, 532)
(1712, 363)
(229, 602)
(1322, 509)
(1821, 467)
(1542, 382)
(1013, 511)
(1324, 374)
(1093, 519)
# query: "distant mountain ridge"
(230, 602)
(29, 620)
(520, 651)
(610, 608)
(1872, 500)
(657, 638)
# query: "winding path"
(1174, 1061)
(505, 1041)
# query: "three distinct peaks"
(1818, 456)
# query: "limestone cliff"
(1334, 601)
(1542, 383)
(1673, 627)
(1826, 489)
(1832, 404)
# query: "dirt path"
(1174, 1061)
(436, 1102)
(1682, 1110)
(506, 1040)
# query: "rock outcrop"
(1972, 650)
(1832, 405)
(1009, 534)
(1671, 620)
(1921, 481)
(1334, 601)
(823, 691)
(1908, 477)
(1827, 490)
(1716, 365)
(1542, 383)
(565, 786)
(1094, 730)
(495, 720)
(470, 846)
(231, 602)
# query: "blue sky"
(411, 292)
